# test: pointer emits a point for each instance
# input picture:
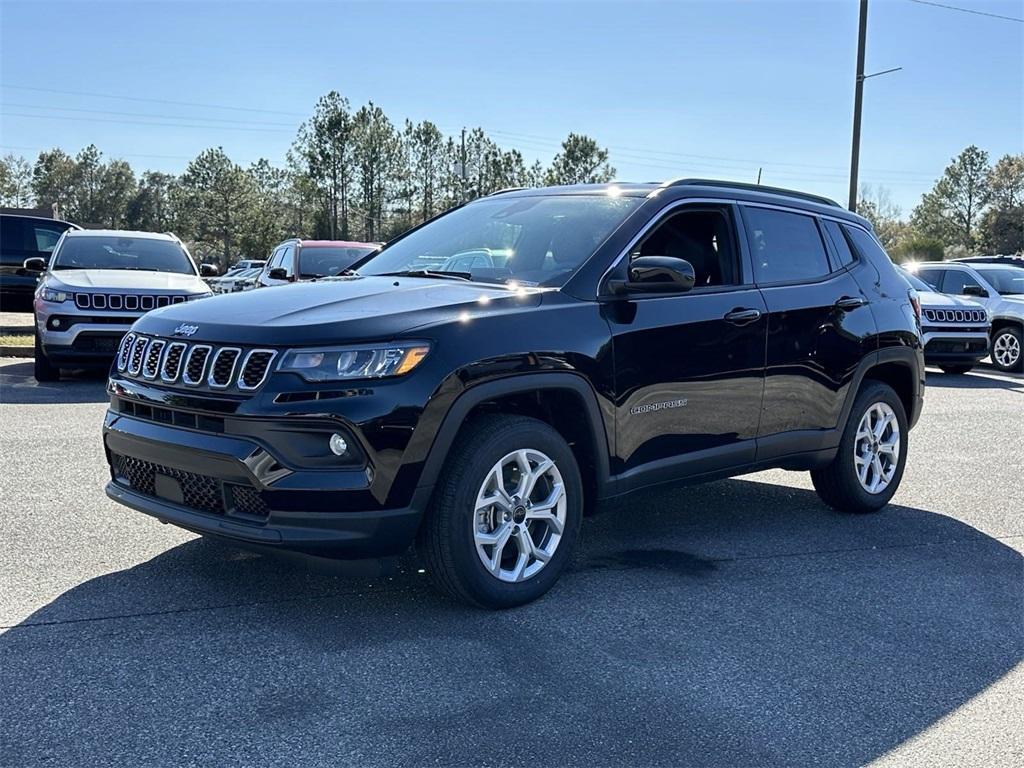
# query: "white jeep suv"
(1000, 288)
(96, 284)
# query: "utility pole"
(858, 102)
(462, 162)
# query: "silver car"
(96, 284)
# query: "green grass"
(19, 340)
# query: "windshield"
(1006, 280)
(915, 281)
(112, 252)
(326, 261)
(539, 240)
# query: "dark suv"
(23, 238)
(632, 335)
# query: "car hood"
(335, 311)
(127, 279)
(934, 300)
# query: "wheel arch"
(900, 368)
(565, 401)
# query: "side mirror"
(208, 270)
(35, 264)
(278, 273)
(660, 274)
(975, 290)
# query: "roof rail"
(752, 188)
(506, 189)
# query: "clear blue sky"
(686, 88)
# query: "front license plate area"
(168, 488)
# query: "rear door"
(689, 367)
(819, 326)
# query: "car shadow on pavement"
(973, 381)
(18, 386)
(736, 623)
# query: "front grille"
(248, 500)
(223, 366)
(126, 302)
(195, 365)
(956, 315)
(199, 492)
(152, 365)
(955, 346)
(172, 361)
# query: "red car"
(311, 259)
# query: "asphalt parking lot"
(738, 623)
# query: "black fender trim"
(908, 357)
(525, 383)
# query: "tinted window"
(46, 237)
(317, 261)
(955, 280)
(286, 259)
(835, 234)
(785, 247)
(138, 253)
(865, 243)
(11, 238)
(702, 238)
(933, 277)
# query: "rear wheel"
(956, 368)
(1007, 343)
(505, 515)
(872, 453)
(44, 370)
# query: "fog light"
(55, 323)
(338, 445)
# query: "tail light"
(915, 302)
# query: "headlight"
(49, 294)
(195, 296)
(370, 361)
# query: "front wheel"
(1007, 344)
(44, 369)
(506, 513)
(872, 453)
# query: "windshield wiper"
(430, 273)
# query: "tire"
(1008, 349)
(44, 370)
(839, 484)
(956, 368)
(448, 537)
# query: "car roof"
(679, 189)
(38, 218)
(122, 233)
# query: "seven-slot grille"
(956, 315)
(126, 302)
(194, 365)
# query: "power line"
(140, 122)
(143, 114)
(152, 101)
(969, 10)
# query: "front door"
(689, 367)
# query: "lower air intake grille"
(248, 501)
(198, 491)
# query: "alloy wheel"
(1006, 350)
(519, 516)
(876, 452)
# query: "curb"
(17, 350)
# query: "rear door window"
(785, 247)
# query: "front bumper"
(243, 488)
(70, 336)
(955, 346)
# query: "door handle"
(846, 303)
(743, 316)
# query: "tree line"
(349, 174)
(975, 207)
(354, 174)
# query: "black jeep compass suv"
(605, 339)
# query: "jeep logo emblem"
(186, 330)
